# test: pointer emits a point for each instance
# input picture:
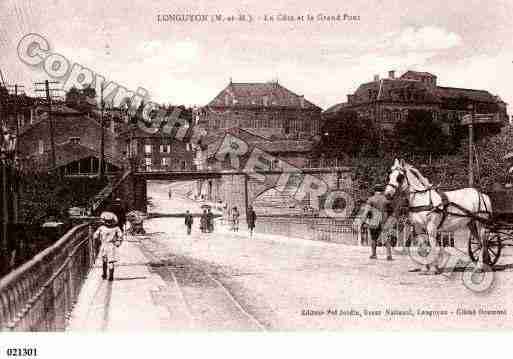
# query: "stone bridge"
(237, 188)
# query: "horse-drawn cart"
(499, 227)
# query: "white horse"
(431, 210)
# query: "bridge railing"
(317, 228)
(40, 295)
(340, 230)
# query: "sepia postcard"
(276, 166)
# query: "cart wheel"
(494, 248)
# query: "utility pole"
(50, 119)
(471, 149)
(102, 141)
(16, 107)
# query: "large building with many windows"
(387, 100)
(266, 109)
(156, 151)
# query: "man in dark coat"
(210, 220)
(188, 222)
(376, 213)
(203, 221)
(251, 219)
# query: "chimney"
(349, 98)
(391, 74)
(302, 101)
(376, 78)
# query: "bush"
(44, 195)
(346, 134)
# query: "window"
(21, 120)
(41, 147)
(134, 146)
(165, 148)
(286, 127)
(147, 149)
(147, 161)
(307, 126)
(165, 161)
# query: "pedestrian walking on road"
(188, 222)
(375, 214)
(251, 220)
(111, 237)
(235, 219)
(210, 221)
(203, 221)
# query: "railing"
(107, 191)
(40, 295)
(316, 228)
(340, 230)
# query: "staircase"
(107, 191)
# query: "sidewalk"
(137, 299)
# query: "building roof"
(68, 152)
(275, 147)
(418, 73)
(467, 94)
(153, 132)
(399, 90)
(282, 146)
(77, 117)
(60, 109)
(267, 94)
(240, 133)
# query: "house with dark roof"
(69, 126)
(386, 101)
(266, 109)
(74, 159)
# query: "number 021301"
(21, 352)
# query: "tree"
(493, 158)
(419, 133)
(347, 134)
(82, 100)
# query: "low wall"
(343, 231)
(313, 228)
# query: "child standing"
(111, 237)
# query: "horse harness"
(443, 208)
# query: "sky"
(466, 43)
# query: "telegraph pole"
(102, 141)
(16, 106)
(50, 119)
(471, 149)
